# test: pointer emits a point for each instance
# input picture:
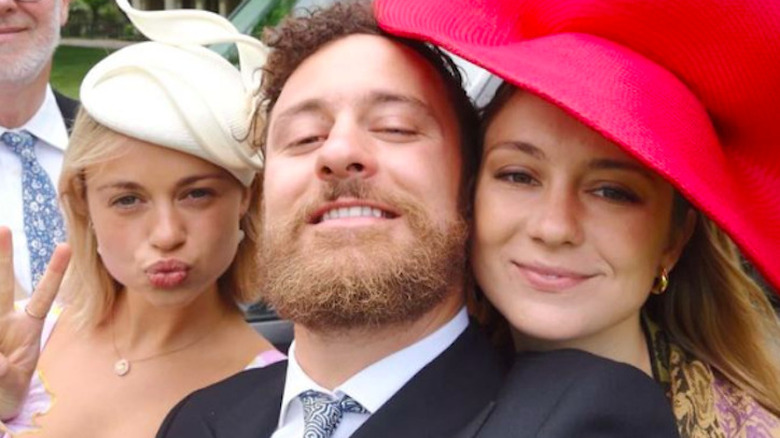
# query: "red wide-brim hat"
(691, 88)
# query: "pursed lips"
(167, 265)
(167, 273)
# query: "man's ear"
(64, 12)
(679, 240)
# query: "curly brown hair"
(298, 37)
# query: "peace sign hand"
(20, 331)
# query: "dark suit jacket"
(569, 393)
(437, 402)
(68, 108)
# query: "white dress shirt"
(48, 126)
(372, 387)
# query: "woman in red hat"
(573, 235)
(629, 161)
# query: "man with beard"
(369, 149)
(34, 123)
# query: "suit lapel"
(444, 396)
(68, 108)
(256, 415)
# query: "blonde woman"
(630, 158)
(161, 200)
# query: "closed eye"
(307, 140)
(398, 130)
(396, 134)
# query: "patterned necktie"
(322, 414)
(43, 224)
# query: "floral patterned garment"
(705, 403)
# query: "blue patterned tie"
(43, 225)
(322, 414)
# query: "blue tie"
(43, 224)
(322, 414)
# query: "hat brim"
(644, 109)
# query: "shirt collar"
(373, 386)
(47, 124)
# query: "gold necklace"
(122, 365)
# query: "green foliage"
(110, 13)
(110, 21)
(279, 11)
(79, 19)
(78, 6)
(96, 4)
(97, 19)
(70, 65)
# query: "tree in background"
(279, 11)
(97, 19)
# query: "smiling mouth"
(551, 279)
(352, 212)
(10, 32)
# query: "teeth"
(350, 212)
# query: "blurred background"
(97, 27)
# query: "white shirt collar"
(47, 124)
(373, 386)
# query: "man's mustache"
(354, 188)
(348, 188)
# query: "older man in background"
(34, 122)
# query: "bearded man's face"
(361, 222)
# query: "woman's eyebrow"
(617, 164)
(521, 146)
(132, 185)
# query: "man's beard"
(22, 65)
(361, 278)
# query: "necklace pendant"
(121, 367)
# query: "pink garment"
(39, 400)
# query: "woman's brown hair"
(712, 308)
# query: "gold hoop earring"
(662, 282)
